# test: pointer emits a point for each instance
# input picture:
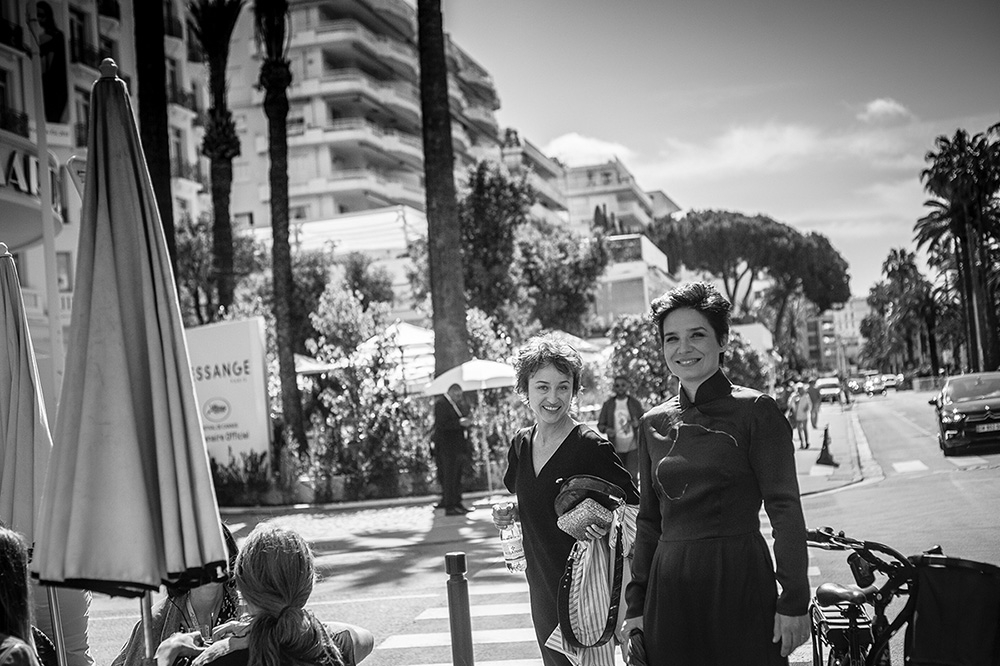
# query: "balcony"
(195, 53)
(188, 171)
(483, 118)
(385, 49)
(12, 35)
(399, 96)
(183, 98)
(85, 54)
(13, 121)
(110, 9)
(361, 133)
(373, 185)
(172, 27)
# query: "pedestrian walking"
(556, 447)
(451, 447)
(815, 402)
(802, 409)
(618, 420)
(703, 589)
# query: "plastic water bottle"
(513, 548)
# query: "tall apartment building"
(354, 125)
(74, 36)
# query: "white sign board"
(230, 379)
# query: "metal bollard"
(458, 609)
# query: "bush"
(242, 482)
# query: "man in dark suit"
(451, 447)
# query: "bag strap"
(616, 594)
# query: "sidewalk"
(412, 520)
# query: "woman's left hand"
(594, 532)
(790, 631)
(178, 645)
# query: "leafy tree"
(733, 247)
(371, 284)
(560, 273)
(195, 272)
(270, 28)
(451, 345)
(491, 214)
(212, 24)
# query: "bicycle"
(952, 610)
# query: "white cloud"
(884, 109)
(574, 149)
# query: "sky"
(817, 113)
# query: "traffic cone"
(824, 455)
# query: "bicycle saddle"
(829, 594)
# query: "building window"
(183, 207)
(64, 271)
(243, 219)
(173, 81)
(176, 143)
(299, 212)
(81, 104)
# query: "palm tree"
(212, 23)
(965, 174)
(451, 346)
(270, 29)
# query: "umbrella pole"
(57, 628)
(147, 625)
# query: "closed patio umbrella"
(24, 430)
(129, 502)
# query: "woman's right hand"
(504, 514)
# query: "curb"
(334, 507)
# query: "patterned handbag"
(588, 512)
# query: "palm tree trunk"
(151, 72)
(444, 242)
(222, 230)
(276, 77)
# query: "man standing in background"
(618, 420)
(451, 447)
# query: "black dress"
(546, 547)
(702, 576)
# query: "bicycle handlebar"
(825, 538)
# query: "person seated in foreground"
(17, 645)
(275, 573)
(200, 609)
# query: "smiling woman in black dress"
(703, 584)
(555, 448)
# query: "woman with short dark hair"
(703, 585)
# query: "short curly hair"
(543, 350)
(699, 296)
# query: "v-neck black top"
(546, 547)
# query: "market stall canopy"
(473, 375)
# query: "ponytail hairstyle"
(275, 572)
(15, 614)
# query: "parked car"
(873, 385)
(856, 385)
(829, 389)
(968, 412)
(891, 381)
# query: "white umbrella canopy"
(24, 430)
(129, 502)
(473, 375)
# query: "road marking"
(444, 638)
(822, 470)
(967, 460)
(909, 466)
(482, 610)
(499, 588)
(505, 662)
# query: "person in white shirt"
(618, 420)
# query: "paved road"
(382, 566)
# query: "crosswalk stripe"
(481, 610)
(498, 588)
(444, 638)
(965, 461)
(505, 662)
(909, 466)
